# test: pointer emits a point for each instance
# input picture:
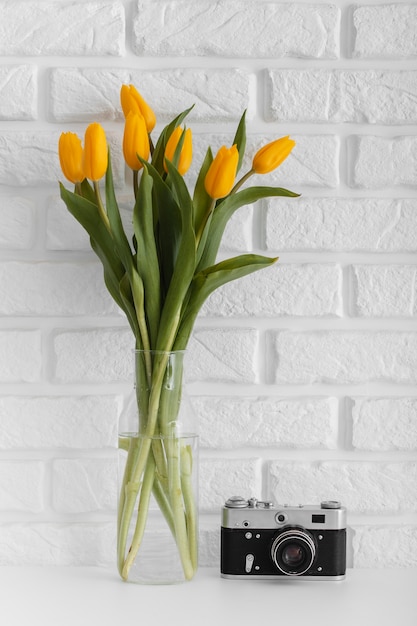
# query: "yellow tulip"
(186, 153)
(135, 140)
(95, 159)
(131, 100)
(272, 155)
(71, 157)
(221, 173)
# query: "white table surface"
(90, 596)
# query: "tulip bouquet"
(161, 279)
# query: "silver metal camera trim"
(259, 517)
(282, 578)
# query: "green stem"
(139, 466)
(122, 528)
(135, 183)
(174, 456)
(130, 491)
(160, 462)
(203, 223)
(189, 502)
(143, 506)
(242, 180)
(164, 505)
(132, 449)
(171, 477)
(138, 299)
(100, 205)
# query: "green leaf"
(87, 214)
(147, 257)
(184, 266)
(201, 199)
(125, 291)
(210, 279)
(203, 238)
(240, 139)
(178, 150)
(138, 294)
(111, 278)
(225, 271)
(180, 191)
(224, 211)
(121, 242)
(169, 227)
(159, 152)
(88, 191)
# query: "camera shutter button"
(330, 504)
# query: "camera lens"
(293, 551)
(293, 555)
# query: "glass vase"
(158, 470)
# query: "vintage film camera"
(261, 540)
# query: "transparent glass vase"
(158, 475)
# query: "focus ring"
(293, 535)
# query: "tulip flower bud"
(272, 155)
(71, 157)
(221, 173)
(135, 140)
(131, 100)
(95, 158)
(186, 153)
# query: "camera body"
(261, 540)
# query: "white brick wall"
(303, 376)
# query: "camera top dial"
(237, 502)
